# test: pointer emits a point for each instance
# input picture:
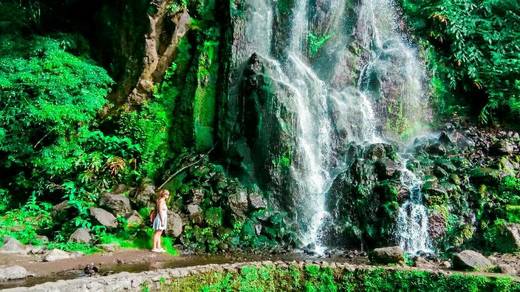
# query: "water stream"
(336, 97)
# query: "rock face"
(470, 260)
(81, 235)
(12, 273)
(238, 203)
(56, 255)
(117, 203)
(257, 201)
(387, 255)
(104, 217)
(12, 246)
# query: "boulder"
(385, 168)
(469, 260)
(60, 207)
(195, 213)
(436, 149)
(134, 219)
(104, 217)
(484, 175)
(501, 147)
(144, 196)
(174, 224)
(117, 203)
(257, 201)
(13, 273)
(444, 138)
(375, 151)
(506, 269)
(387, 255)
(238, 203)
(12, 246)
(81, 235)
(513, 235)
(56, 255)
(108, 247)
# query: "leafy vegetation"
(472, 52)
(316, 278)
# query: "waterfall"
(337, 96)
(412, 221)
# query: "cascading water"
(333, 102)
(412, 221)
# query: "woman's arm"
(161, 202)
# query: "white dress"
(157, 224)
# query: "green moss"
(513, 213)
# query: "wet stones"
(256, 201)
(386, 168)
(501, 147)
(387, 255)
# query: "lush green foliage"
(316, 278)
(473, 53)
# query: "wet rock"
(385, 168)
(56, 255)
(423, 263)
(469, 260)
(90, 269)
(13, 273)
(81, 235)
(195, 213)
(117, 203)
(134, 218)
(484, 175)
(144, 196)
(440, 172)
(198, 196)
(258, 229)
(104, 217)
(501, 147)
(12, 246)
(238, 203)
(257, 201)
(375, 151)
(387, 255)
(436, 149)
(445, 138)
(436, 225)
(174, 224)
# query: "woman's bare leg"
(159, 233)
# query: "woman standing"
(161, 217)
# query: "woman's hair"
(162, 193)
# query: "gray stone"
(104, 217)
(12, 246)
(470, 260)
(238, 203)
(513, 235)
(506, 269)
(59, 208)
(12, 273)
(56, 255)
(195, 213)
(257, 201)
(81, 235)
(387, 255)
(174, 224)
(117, 203)
(108, 247)
(134, 219)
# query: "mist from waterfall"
(329, 110)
